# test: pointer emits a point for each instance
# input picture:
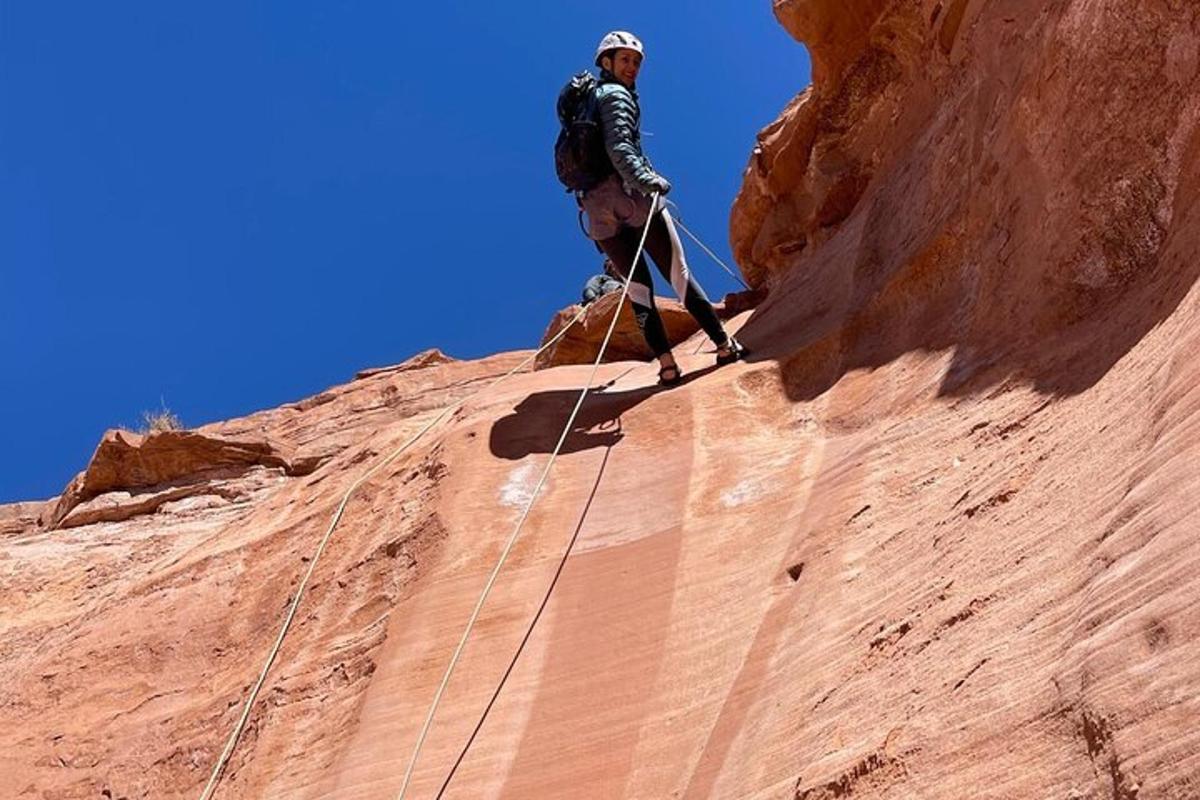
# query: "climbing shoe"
(733, 352)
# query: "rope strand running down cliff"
(219, 767)
(679, 221)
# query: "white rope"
(705, 248)
(512, 539)
(241, 725)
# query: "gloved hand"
(657, 183)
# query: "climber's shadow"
(536, 423)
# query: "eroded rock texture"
(936, 540)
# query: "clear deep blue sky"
(226, 206)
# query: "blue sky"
(222, 207)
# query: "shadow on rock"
(1017, 318)
(1025, 269)
(536, 423)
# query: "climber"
(619, 206)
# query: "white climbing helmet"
(619, 40)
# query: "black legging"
(662, 242)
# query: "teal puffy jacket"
(621, 119)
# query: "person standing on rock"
(618, 208)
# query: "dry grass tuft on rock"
(158, 421)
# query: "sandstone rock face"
(1049, 139)
(427, 358)
(16, 518)
(127, 628)
(936, 539)
(126, 460)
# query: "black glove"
(657, 183)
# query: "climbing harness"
(512, 539)
(241, 725)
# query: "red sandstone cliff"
(937, 540)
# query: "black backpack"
(579, 155)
